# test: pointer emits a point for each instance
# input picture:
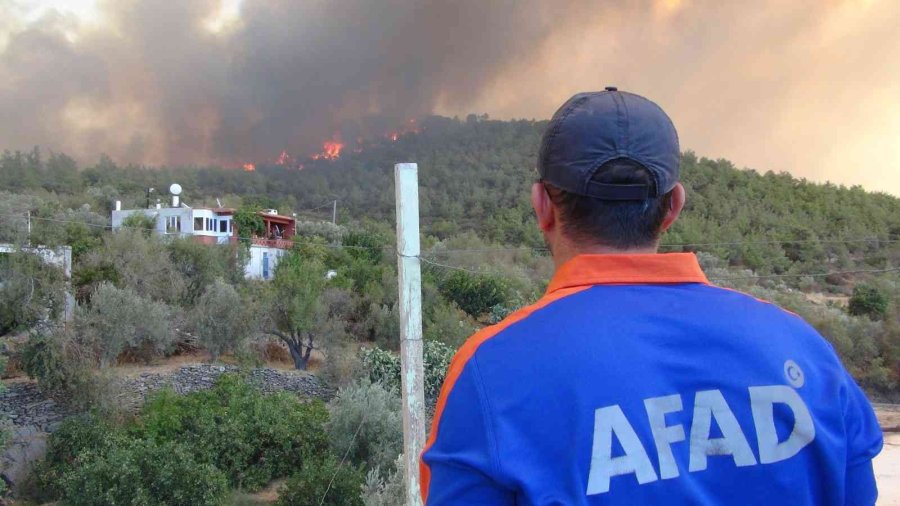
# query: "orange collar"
(645, 269)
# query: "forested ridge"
(475, 176)
(827, 252)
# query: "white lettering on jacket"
(709, 405)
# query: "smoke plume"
(811, 86)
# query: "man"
(634, 380)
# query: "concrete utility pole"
(406, 180)
(334, 212)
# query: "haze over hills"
(807, 86)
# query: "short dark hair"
(620, 224)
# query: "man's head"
(609, 175)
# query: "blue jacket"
(635, 381)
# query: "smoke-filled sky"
(807, 86)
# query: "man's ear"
(543, 207)
(676, 204)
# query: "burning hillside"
(334, 147)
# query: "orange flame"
(284, 158)
(330, 150)
(249, 167)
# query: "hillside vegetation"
(829, 253)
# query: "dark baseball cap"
(593, 128)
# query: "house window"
(223, 226)
(173, 224)
(198, 224)
(209, 226)
(265, 265)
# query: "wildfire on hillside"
(284, 158)
(409, 128)
(330, 150)
(333, 148)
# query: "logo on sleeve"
(794, 374)
(709, 406)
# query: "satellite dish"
(175, 189)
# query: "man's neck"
(562, 253)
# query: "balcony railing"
(273, 243)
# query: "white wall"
(255, 266)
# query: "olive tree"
(221, 318)
(31, 290)
(118, 320)
(292, 305)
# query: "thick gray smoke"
(154, 84)
(809, 86)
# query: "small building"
(216, 226)
(266, 250)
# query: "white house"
(216, 226)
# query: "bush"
(221, 319)
(473, 293)
(384, 368)
(142, 472)
(390, 491)
(384, 324)
(868, 300)
(342, 365)
(140, 263)
(64, 369)
(119, 320)
(323, 483)
(140, 222)
(366, 425)
(448, 324)
(30, 291)
(183, 449)
(74, 437)
(200, 265)
(250, 437)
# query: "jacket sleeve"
(461, 465)
(864, 442)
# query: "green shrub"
(183, 449)
(384, 368)
(30, 291)
(248, 223)
(390, 491)
(448, 324)
(200, 266)
(366, 424)
(74, 437)
(323, 483)
(473, 293)
(64, 369)
(252, 438)
(141, 472)
(140, 222)
(221, 319)
(868, 300)
(119, 320)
